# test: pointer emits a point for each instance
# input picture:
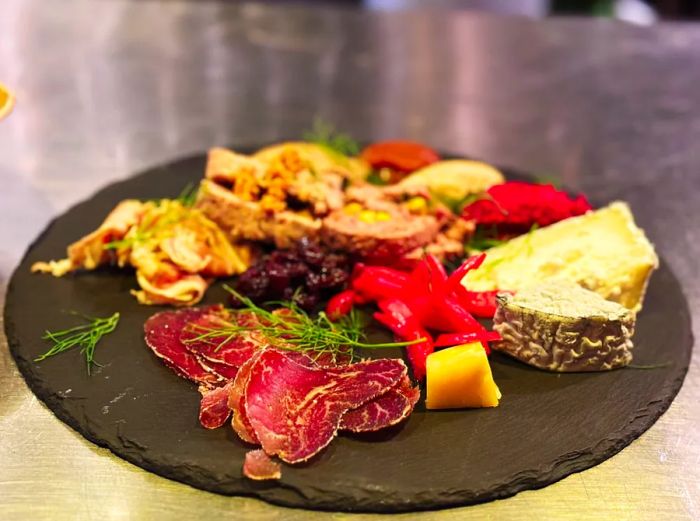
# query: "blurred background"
(634, 11)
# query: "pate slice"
(560, 326)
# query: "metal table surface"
(107, 88)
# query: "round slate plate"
(547, 425)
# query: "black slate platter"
(547, 426)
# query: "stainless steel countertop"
(107, 88)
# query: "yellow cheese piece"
(460, 377)
(455, 178)
(603, 251)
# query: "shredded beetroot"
(521, 205)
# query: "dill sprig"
(324, 134)
(85, 337)
(188, 196)
(292, 328)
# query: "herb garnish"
(292, 328)
(188, 195)
(86, 337)
(483, 239)
(324, 134)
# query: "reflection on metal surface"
(123, 85)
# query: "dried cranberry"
(307, 273)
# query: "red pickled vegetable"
(521, 205)
(454, 339)
(341, 304)
(376, 286)
(425, 299)
(402, 156)
(468, 265)
(418, 353)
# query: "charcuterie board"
(546, 427)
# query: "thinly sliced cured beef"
(237, 402)
(233, 350)
(213, 409)
(260, 466)
(386, 410)
(162, 334)
(237, 399)
(225, 371)
(295, 410)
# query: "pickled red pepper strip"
(454, 339)
(426, 298)
(341, 304)
(399, 318)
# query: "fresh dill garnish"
(324, 134)
(290, 327)
(85, 337)
(188, 195)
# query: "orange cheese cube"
(459, 377)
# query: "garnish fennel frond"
(85, 337)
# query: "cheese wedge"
(460, 377)
(603, 251)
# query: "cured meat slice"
(162, 334)
(213, 409)
(237, 402)
(225, 371)
(386, 410)
(260, 466)
(295, 410)
(233, 350)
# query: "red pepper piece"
(400, 316)
(341, 304)
(418, 353)
(373, 285)
(448, 315)
(480, 303)
(402, 156)
(420, 279)
(471, 263)
(396, 276)
(438, 275)
(397, 316)
(455, 339)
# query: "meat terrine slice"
(560, 326)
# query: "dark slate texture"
(548, 425)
